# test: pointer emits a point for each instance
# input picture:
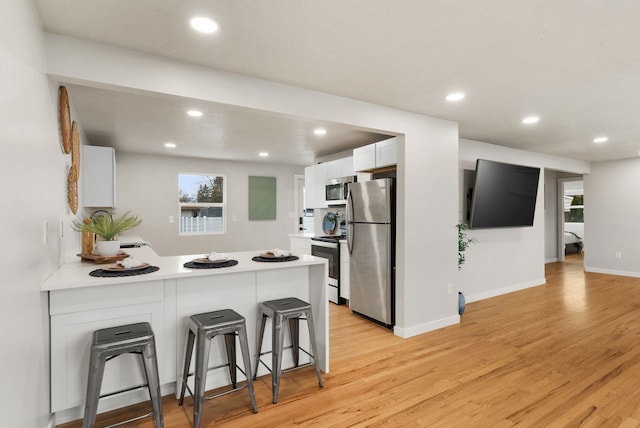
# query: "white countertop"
(76, 274)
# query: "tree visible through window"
(202, 203)
(575, 211)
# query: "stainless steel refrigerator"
(371, 243)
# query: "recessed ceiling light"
(170, 145)
(600, 140)
(320, 131)
(531, 119)
(204, 25)
(455, 96)
(263, 154)
(194, 113)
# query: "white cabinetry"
(344, 271)
(364, 158)
(315, 178)
(381, 154)
(340, 168)
(300, 245)
(76, 313)
(386, 152)
(98, 176)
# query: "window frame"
(200, 205)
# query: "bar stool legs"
(108, 343)
(202, 329)
(292, 310)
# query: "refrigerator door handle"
(349, 209)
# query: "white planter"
(107, 248)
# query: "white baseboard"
(612, 272)
(426, 327)
(553, 260)
(504, 290)
(52, 421)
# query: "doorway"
(570, 218)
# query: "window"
(202, 203)
(574, 209)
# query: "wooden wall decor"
(65, 119)
(74, 170)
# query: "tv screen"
(504, 195)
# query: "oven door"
(331, 252)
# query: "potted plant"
(108, 228)
(463, 243)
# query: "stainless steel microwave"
(336, 190)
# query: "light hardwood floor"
(566, 354)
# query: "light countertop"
(76, 274)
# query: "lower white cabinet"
(300, 245)
(344, 271)
(76, 313)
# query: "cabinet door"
(321, 181)
(76, 313)
(364, 158)
(346, 167)
(310, 187)
(334, 169)
(315, 178)
(98, 167)
(300, 245)
(386, 152)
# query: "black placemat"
(212, 265)
(115, 273)
(274, 259)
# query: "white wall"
(550, 216)
(508, 259)
(33, 175)
(611, 213)
(427, 166)
(154, 197)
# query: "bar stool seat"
(293, 310)
(111, 342)
(202, 329)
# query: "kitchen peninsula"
(80, 304)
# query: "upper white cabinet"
(340, 168)
(376, 155)
(315, 178)
(364, 158)
(386, 152)
(98, 176)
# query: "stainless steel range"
(328, 247)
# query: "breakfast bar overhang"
(80, 304)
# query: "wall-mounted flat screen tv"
(504, 195)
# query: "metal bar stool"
(202, 329)
(292, 310)
(109, 343)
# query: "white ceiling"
(574, 63)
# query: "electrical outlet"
(618, 254)
(45, 232)
(449, 289)
(172, 219)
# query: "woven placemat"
(212, 265)
(115, 273)
(274, 259)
